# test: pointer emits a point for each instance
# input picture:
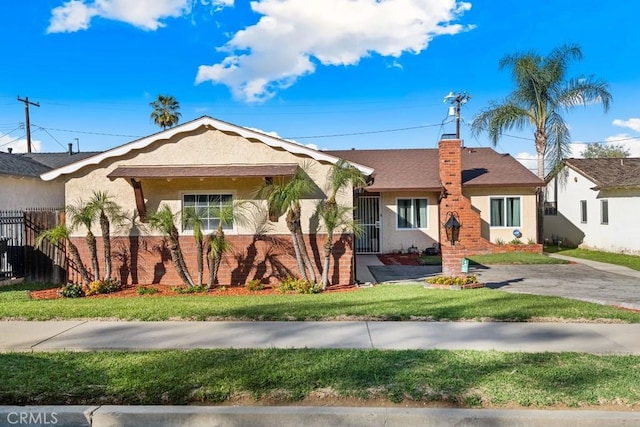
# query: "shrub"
(144, 290)
(196, 289)
(531, 241)
(72, 290)
(452, 280)
(255, 285)
(515, 241)
(103, 287)
(499, 241)
(299, 286)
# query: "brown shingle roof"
(417, 169)
(609, 173)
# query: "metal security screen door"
(368, 215)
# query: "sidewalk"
(27, 336)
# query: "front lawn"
(322, 377)
(631, 261)
(385, 302)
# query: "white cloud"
(276, 135)
(293, 36)
(530, 161)
(75, 15)
(633, 123)
(72, 16)
(19, 146)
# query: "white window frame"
(232, 229)
(604, 203)
(504, 213)
(584, 217)
(413, 208)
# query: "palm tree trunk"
(305, 255)
(328, 249)
(199, 257)
(93, 251)
(181, 266)
(541, 148)
(106, 240)
(292, 223)
(75, 256)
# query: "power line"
(364, 132)
(90, 133)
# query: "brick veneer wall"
(471, 240)
(145, 260)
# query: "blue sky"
(337, 74)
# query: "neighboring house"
(20, 185)
(207, 161)
(594, 203)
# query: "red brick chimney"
(450, 164)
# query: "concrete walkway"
(25, 336)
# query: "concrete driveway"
(581, 280)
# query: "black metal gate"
(11, 244)
(20, 256)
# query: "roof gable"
(191, 126)
(608, 172)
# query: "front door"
(368, 215)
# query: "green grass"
(505, 258)
(514, 258)
(386, 302)
(631, 261)
(458, 378)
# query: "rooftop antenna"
(458, 100)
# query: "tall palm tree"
(163, 220)
(193, 218)
(83, 214)
(60, 233)
(108, 212)
(165, 111)
(218, 245)
(541, 93)
(285, 195)
(341, 175)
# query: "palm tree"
(285, 195)
(192, 218)
(227, 214)
(108, 212)
(83, 214)
(163, 220)
(60, 233)
(541, 92)
(334, 217)
(165, 111)
(341, 175)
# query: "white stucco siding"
(620, 234)
(27, 193)
(480, 200)
(203, 148)
(394, 238)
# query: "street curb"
(309, 416)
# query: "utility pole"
(26, 114)
(458, 99)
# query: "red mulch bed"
(399, 259)
(131, 291)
